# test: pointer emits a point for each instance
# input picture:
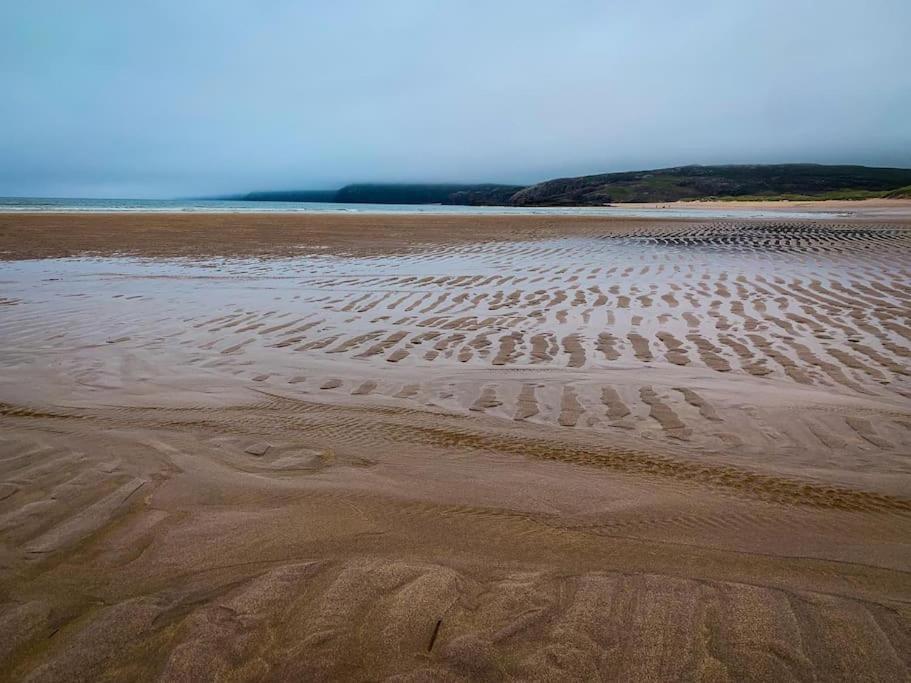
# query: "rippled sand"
(557, 448)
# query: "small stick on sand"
(433, 638)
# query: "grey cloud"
(188, 98)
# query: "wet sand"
(454, 448)
(267, 235)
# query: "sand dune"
(546, 449)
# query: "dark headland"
(682, 183)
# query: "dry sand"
(885, 209)
(454, 448)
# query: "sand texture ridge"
(454, 448)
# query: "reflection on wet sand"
(539, 451)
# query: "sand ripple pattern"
(664, 451)
(776, 313)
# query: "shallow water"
(64, 205)
(770, 309)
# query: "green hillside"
(747, 182)
(780, 181)
(420, 193)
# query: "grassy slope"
(900, 193)
(754, 182)
(799, 182)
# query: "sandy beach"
(886, 209)
(455, 447)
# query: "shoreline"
(900, 208)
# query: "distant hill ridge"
(735, 182)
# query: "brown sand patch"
(640, 347)
(573, 347)
(527, 403)
(570, 408)
(662, 413)
(365, 388)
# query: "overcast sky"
(160, 98)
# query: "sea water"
(66, 205)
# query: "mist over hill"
(482, 194)
(680, 183)
(471, 195)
